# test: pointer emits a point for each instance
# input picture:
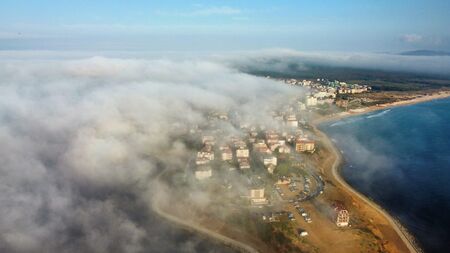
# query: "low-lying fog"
(82, 139)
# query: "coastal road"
(335, 172)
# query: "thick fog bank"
(83, 139)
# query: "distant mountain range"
(425, 53)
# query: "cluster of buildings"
(324, 91)
(256, 146)
(204, 157)
(327, 88)
(263, 147)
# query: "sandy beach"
(421, 99)
(406, 238)
(335, 172)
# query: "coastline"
(355, 112)
(402, 232)
(335, 171)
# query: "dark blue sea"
(400, 158)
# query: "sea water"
(400, 158)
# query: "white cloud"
(411, 38)
(81, 140)
(203, 11)
(222, 10)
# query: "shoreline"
(365, 110)
(335, 171)
(403, 233)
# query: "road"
(156, 206)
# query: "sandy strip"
(337, 116)
(335, 172)
(404, 235)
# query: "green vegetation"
(284, 169)
(378, 79)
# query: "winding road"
(232, 243)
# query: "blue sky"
(326, 25)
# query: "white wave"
(347, 121)
(378, 114)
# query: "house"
(201, 161)
(242, 152)
(301, 106)
(304, 145)
(341, 215)
(239, 144)
(226, 153)
(284, 149)
(269, 159)
(203, 172)
(291, 121)
(274, 146)
(256, 195)
(271, 137)
(244, 163)
(271, 168)
(282, 142)
(290, 138)
(325, 101)
(205, 155)
(311, 101)
(261, 147)
(208, 140)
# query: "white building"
(284, 149)
(206, 155)
(208, 140)
(271, 168)
(311, 101)
(257, 196)
(203, 173)
(292, 121)
(267, 160)
(261, 147)
(227, 154)
(244, 163)
(242, 153)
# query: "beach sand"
(396, 237)
(341, 115)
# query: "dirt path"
(157, 208)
